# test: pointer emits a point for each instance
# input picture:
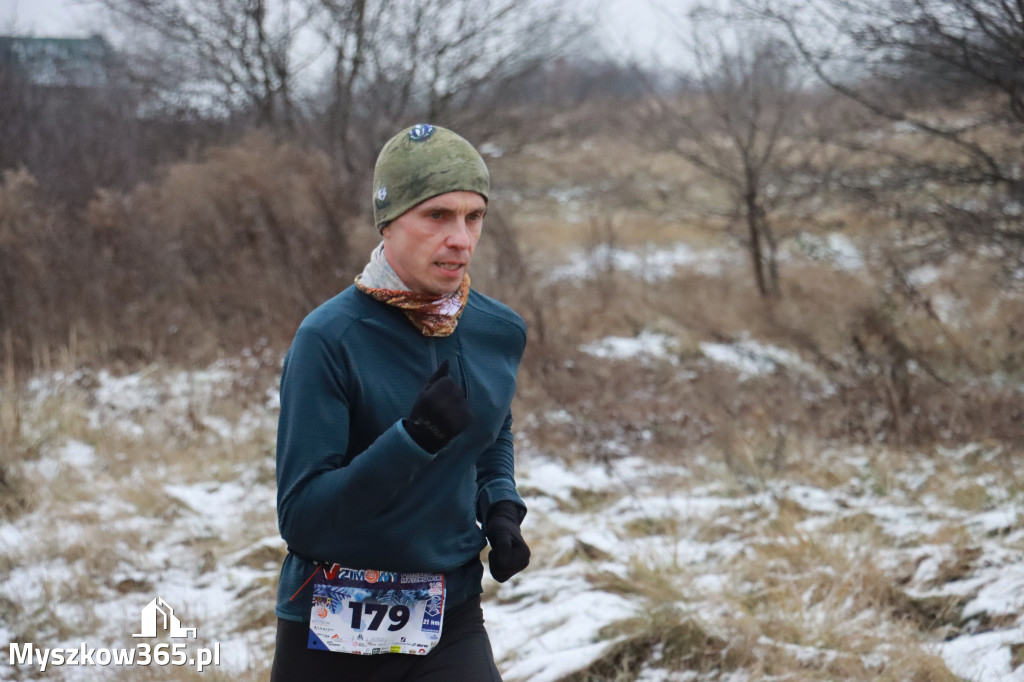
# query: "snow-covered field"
(850, 563)
(107, 535)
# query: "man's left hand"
(509, 552)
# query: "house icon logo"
(156, 609)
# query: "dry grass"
(105, 495)
(810, 606)
(13, 495)
(895, 373)
(909, 395)
(665, 639)
(818, 603)
(815, 594)
(806, 599)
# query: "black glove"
(440, 412)
(509, 553)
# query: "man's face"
(431, 244)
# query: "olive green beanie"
(422, 162)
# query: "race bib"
(376, 612)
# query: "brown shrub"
(213, 255)
(44, 268)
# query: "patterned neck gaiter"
(431, 315)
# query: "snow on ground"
(747, 357)
(210, 547)
(834, 248)
(750, 358)
(193, 522)
(649, 263)
(652, 262)
(645, 345)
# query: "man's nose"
(459, 236)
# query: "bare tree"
(946, 73)
(344, 30)
(738, 122)
(217, 53)
(454, 62)
(380, 63)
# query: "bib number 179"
(397, 614)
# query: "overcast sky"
(44, 18)
(630, 26)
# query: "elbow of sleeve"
(286, 528)
(289, 525)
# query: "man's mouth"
(449, 266)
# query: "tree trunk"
(755, 246)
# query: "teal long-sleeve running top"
(353, 487)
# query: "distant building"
(68, 114)
(60, 63)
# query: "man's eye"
(437, 215)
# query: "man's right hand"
(440, 412)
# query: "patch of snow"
(492, 150)
(649, 264)
(925, 275)
(1003, 595)
(547, 622)
(559, 416)
(558, 479)
(646, 344)
(813, 499)
(833, 248)
(542, 644)
(984, 656)
(751, 358)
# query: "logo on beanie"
(382, 194)
(421, 132)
